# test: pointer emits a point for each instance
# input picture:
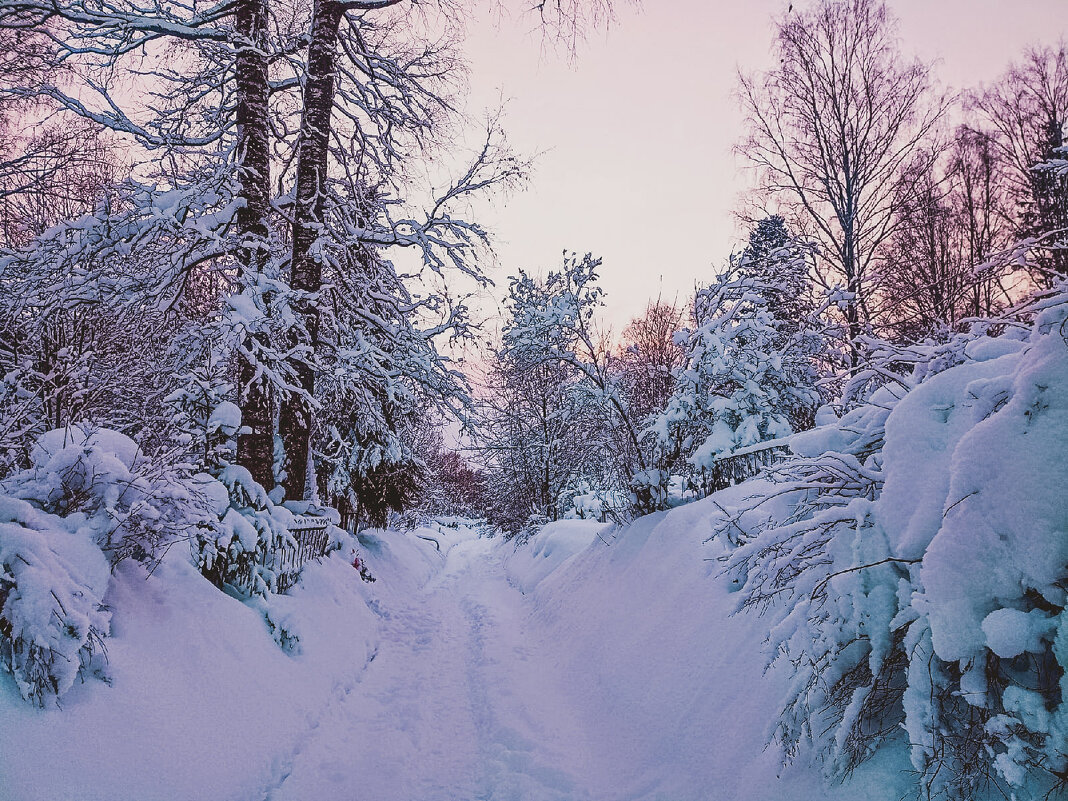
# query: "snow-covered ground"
(588, 664)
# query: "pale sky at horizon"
(635, 133)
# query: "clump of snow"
(1010, 632)
(225, 418)
(70, 439)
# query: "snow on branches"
(911, 559)
(749, 376)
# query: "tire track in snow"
(283, 767)
(454, 706)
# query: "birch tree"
(831, 130)
(1025, 116)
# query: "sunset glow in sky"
(636, 132)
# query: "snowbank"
(550, 548)
(671, 682)
(202, 702)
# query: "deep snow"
(588, 664)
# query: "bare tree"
(982, 206)
(649, 357)
(951, 220)
(1027, 114)
(926, 279)
(50, 169)
(832, 129)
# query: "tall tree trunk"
(295, 423)
(255, 449)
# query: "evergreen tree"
(749, 376)
(777, 261)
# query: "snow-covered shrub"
(88, 500)
(233, 553)
(238, 538)
(913, 557)
(242, 527)
(19, 418)
(583, 502)
(649, 490)
(52, 616)
(102, 485)
(534, 523)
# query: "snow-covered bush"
(584, 502)
(19, 418)
(52, 616)
(88, 500)
(649, 490)
(102, 485)
(248, 548)
(241, 526)
(233, 552)
(913, 558)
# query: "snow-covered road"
(459, 702)
(574, 668)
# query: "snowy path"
(458, 702)
(620, 675)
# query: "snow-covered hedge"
(913, 558)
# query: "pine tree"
(778, 262)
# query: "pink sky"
(638, 129)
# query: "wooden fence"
(744, 464)
(312, 540)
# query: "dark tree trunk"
(255, 450)
(295, 423)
